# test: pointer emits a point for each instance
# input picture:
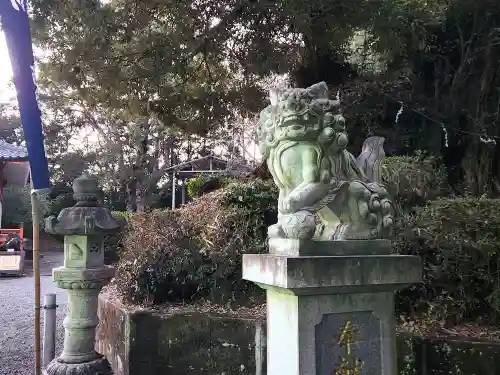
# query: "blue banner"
(16, 27)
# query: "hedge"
(459, 242)
(205, 183)
(194, 253)
(414, 180)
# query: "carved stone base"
(98, 366)
(331, 314)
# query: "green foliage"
(459, 243)
(113, 246)
(60, 202)
(204, 183)
(194, 252)
(257, 203)
(194, 64)
(16, 209)
(124, 214)
(414, 180)
(194, 185)
(145, 52)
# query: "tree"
(134, 57)
(455, 75)
(166, 69)
(195, 63)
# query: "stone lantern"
(83, 275)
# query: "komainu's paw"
(299, 225)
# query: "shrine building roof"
(10, 152)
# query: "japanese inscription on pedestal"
(348, 344)
(349, 365)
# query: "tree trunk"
(143, 195)
(132, 196)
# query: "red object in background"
(4, 233)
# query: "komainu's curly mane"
(303, 139)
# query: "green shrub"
(459, 243)
(194, 185)
(205, 183)
(113, 247)
(122, 214)
(194, 253)
(414, 180)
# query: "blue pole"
(16, 27)
(15, 24)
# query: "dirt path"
(17, 316)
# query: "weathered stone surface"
(82, 275)
(98, 366)
(348, 342)
(177, 335)
(309, 291)
(82, 220)
(83, 278)
(181, 343)
(114, 337)
(296, 247)
(316, 271)
(87, 217)
(332, 274)
(76, 257)
(303, 138)
(238, 346)
(231, 351)
(292, 321)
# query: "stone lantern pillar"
(83, 275)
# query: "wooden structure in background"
(210, 164)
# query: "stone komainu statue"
(324, 192)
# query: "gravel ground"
(17, 317)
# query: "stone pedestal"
(331, 314)
(82, 276)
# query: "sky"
(6, 92)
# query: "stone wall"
(113, 336)
(140, 342)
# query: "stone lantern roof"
(87, 216)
